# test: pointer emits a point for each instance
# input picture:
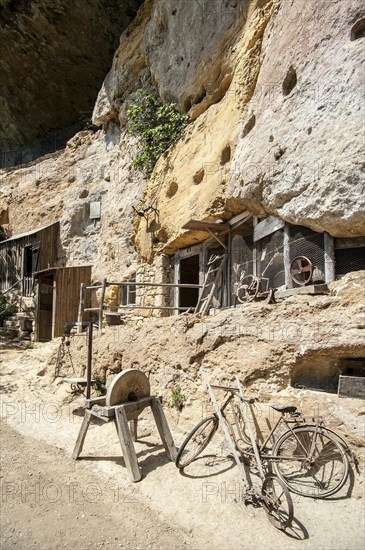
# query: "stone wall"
(160, 272)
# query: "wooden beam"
(329, 258)
(125, 439)
(101, 305)
(354, 242)
(286, 253)
(81, 308)
(82, 434)
(267, 227)
(163, 428)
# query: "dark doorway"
(45, 309)
(189, 274)
(28, 261)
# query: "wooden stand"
(120, 414)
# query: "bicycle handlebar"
(232, 390)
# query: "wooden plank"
(81, 308)
(286, 254)
(355, 242)
(267, 227)
(329, 258)
(133, 427)
(163, 428)
(101, 305)
(126, 443)
(310, 289)
(94, 401)
(176, 297)
(82, 434)
(54, 305)
(197, 225)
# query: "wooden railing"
(27, 286)
(103, 286)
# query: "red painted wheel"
(301, 270)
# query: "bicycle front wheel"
(313, 464)
(196, 441)
(277, 502)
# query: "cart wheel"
(277, 502)
(301, 270)
(249, 289)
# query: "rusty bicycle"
(309, 458)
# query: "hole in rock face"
(290, 81)
(249, 126)
(226, 155)
(198, 177)
(172, 189)
(358, 30)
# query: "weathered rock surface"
(251, 143)
(303, 158)
(181, 47)
(54, 57)
(93, 168)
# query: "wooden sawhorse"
(120, 413)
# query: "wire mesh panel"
(349, 259)
(305, 242)
(241, 260)
(271, 258)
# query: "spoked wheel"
(277, 502)
(313, 463)
(301, 270)
(248, 289)
(196, 441)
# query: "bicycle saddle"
(284, 408)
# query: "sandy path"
(91, 504)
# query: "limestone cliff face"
(93, 168)
(274, 93)
(54, 57)
(303, 158)
(274, 90)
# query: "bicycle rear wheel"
(196, 441)
(313, 463)
(277, 502)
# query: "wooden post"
(126, 443)
(133, 426)
(82, 434)
(89, 361)
(81, 308)
(176, 282)
(288, 279)
(101, 305)
(163, 428)
(329, 258)
(255, 221)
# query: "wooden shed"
(24, 254)
(57, 299)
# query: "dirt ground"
(49, 501)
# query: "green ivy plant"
(157, 125)
(177, 397)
